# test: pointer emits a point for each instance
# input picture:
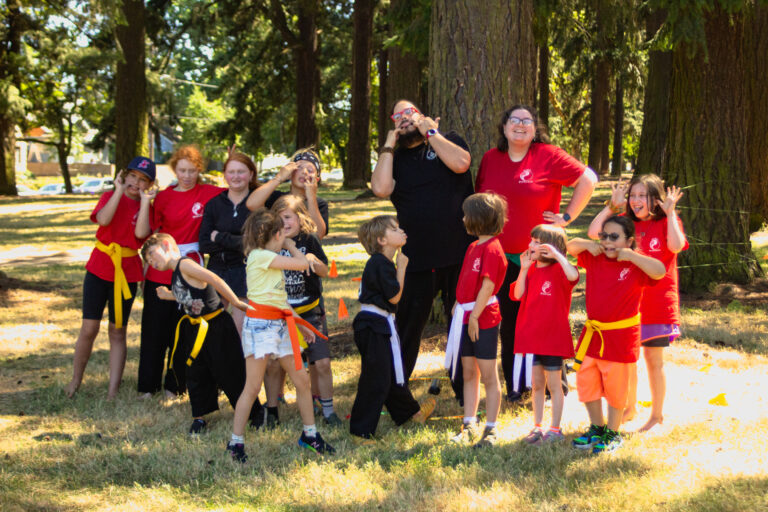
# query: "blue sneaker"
(588, 439)
(610, 441)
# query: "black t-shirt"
(379, 283)
(303, 289)
(196, 301)
(428, 198)
(322, 205)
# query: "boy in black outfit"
(382, 379)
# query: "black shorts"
(98, 293)
(320, 348)
(550, 363)
(662, 341)
(484, 348)
(234, 277)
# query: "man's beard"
(407, 139)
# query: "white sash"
(518, 366)
(394, 339)
(192, 247)
(454, 334)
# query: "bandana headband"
(309, 157)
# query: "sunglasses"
(608, 236)
(405, 112)
(516, 120)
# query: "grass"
(88, 453)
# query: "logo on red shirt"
(526, 176)
(476, 265)
(135, 218)
(655, 244)
(623, 275)
(197, 210)
(546, 288)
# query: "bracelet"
(614, 209)
(387, 149)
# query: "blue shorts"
(263, 338)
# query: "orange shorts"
(598, 378)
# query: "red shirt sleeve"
(102, 201)
(563, 169)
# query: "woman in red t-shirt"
(529, 173)
(177, 211)
(659, 235)
(112, 272)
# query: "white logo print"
(135, 218)
(197, 210)
(526, 176)
(623, 275)
(546, 288)
(431, 155)
(655, 244)
(476, 265)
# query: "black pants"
(158, 326)
(419, 291)
(509, 309)
(218, 365)
(377, 387)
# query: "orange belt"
(274, 313)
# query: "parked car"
(95, 186)
(24, 190)
(51, 189)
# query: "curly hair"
(189, 152)
(297, 206)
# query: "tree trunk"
(600, 86)
(618, 128)
(756, 48)
(605, 142)
(707, 153)
(10, 48)
(382, 121)
(306, 57)
(63, 154)
(653, 137)
(131, 87)
(483, 60)
(543, 103)
(359, 157)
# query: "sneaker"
(317, 444)
(197, 427)
(513, 397)
(257, 421)
(609, 442)
(552, 437)
(468, 434)
(488, 438)
(272, 422)
(237, 452)
(333, 420)
(534, 436)
(425, 411)
(589, 438)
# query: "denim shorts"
(266, 337)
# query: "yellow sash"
(595, 325)
(199, 339)
(116, 254)
(303, 309)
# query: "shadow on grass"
(735, 494)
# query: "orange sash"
(274, 313)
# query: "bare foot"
(144, 396)
(629, 415)
(652, 422)
(170, 395)
(71, 388)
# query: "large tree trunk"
(756, 54)
(653, 137)
(707, 153)
(306, 57)
(382, 121)
(483, 60)
(131, 89)
(605, 142)
(359, 156)
(600, 86)
(543, 103)
(10, 48)
(63, 153)
(618, 128)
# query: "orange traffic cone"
(333, 273)
(343, 313)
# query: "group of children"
(630, 296)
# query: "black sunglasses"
(608, 236)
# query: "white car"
(23, 190)
(51, 189)
(95, 186)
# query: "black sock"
(272, 411)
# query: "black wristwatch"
(566, 217)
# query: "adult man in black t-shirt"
(424, 172)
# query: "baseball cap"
(143, 165)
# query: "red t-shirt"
(661, 303)
(614, 291)
(542, 322)
(121, 231)
(179, 214)
(531, 187)
(481, 261)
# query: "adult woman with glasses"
(529, 173)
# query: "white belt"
(394, 340)
(454, 334)
(192, 247)
(519, 366)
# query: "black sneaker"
(488, 438)
(513, 397)
(317, 444)
(272, 422)
(333, 420)
(258, 419)
(237, 452)
(197, 427)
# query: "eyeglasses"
(608, 236)
(516, 120)
(405, 112)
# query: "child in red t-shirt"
(659, 235)
(476, 336)
(112, 272)
(610, 342)
(542, 327)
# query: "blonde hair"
(552, 235)
(259, 228)
(297, 206)
(155, 240)
(370, 231)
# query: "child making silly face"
(614, 242)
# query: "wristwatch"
(431, 133)
(566, 217)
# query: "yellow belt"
(303, 309)
(199, 339)
(122, 291)
(595, 325)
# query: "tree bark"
(482, 61)
(756, 53)
(618, 129)
(404, 78)
(600, 86)
(543, 103)
(358, 166)
(708, 152)
(306, 56)
(382, 121)
(131, 87)
(606, 140)
(10, 49)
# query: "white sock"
(310, 430)
(237, 439)
(490, 424)
(470, 419)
